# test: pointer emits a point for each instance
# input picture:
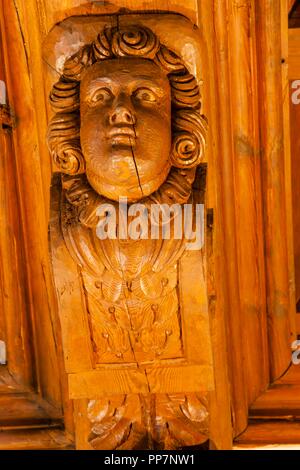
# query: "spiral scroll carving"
(189, 139)
(64, 142)
(102, 46)
(133, 41)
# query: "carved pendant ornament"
(128, 130)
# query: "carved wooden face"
(125, 127)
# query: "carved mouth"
(122, 136)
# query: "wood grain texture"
(217, 288)
(295, 149)
(294, 54)
(288, 168)
(43, 439)
(269, 432)
(165, 379)
(246, 100)
(57, 11)
(232, 294)
(274, 158)
(28, 174)
(47, 367)
(14, 311)
(247, 193)
(281, 399)
(26, 409)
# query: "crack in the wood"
(134, 160)
(51, 66)
(136, 168)
(23, 37)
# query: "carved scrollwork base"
(151, 421)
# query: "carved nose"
(122, 114)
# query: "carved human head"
(127, 110)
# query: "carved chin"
(132, 193)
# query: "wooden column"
(274, 156)
(247, 189)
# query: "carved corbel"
(128, 129)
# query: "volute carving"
(128, 129)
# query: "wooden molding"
(291, 4)
(35, 439)
(294, 54)
(272, 435)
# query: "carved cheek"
(93, 126)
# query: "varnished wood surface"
(270, 432)
(291, 4)
(233, 193)
(274, 154)
(248, 210)
(35, 439)
(295, 151)
(294, 54)
(24, 409)
(33, 224)
(281, 399)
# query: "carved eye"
(144, 94)
(101, 95)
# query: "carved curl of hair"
(188, 125)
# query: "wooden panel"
(44, 439)
(12, 281)
(270, 432)
(155, 380)
(288, 169)
(25, 409)
(7, 382)
(294, 54)
(280, 400)
(295, 152)
(34, 223)
(32, 174)
(292, 377)
(56, 11)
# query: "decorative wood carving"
(128, 127)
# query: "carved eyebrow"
(154, 84)
(99, 81)
(151, 85)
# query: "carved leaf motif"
(115, 423)
(120, 422)
(181, 420)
